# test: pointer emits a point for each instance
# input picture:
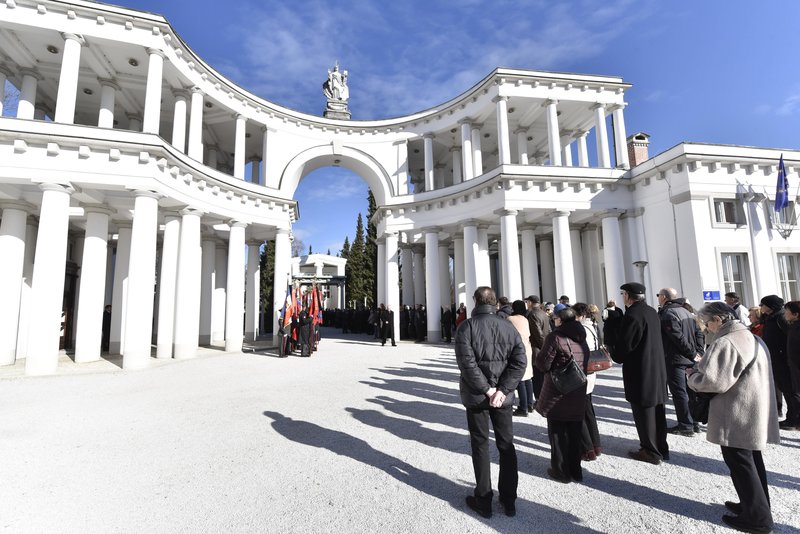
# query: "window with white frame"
(735, 275)
(728, 211)
(787, 275)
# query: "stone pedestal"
(336, 109)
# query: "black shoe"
(696, 428)
(519, 412)
(681, 431)
(643, 455)
(557, 476)
(739, 524)
(734, 507)
(530, 407)
(788, 425)
(394, 344)
(476, 507)
(509, 508)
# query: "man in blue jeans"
(491, 358)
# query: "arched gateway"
(140, 184)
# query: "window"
(728, 211)
(787, 275)
(734, 274)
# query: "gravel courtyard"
(357, 438)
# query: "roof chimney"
(637, 148)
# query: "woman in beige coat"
(743, 415)
(525, 387)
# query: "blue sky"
(716, 71)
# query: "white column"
(612, 253)
(239, 147)
(477, 155)
(530, 261)
(457, 175)
(152, 96)
(497, 269)
(589, 265)
(583, 152)
(12, 251)
(553, 135)
(591, 243)
(459, 282)
(522, 145)
(562, 252)
(208, 252)
(255, 170)
(566, 154)
(213, 151)
(167, 285)
(108, 95)
(134, 122)
(263, 169)
(581, 295)
(141, 282)
(601, 135)
(5, 74)
(419, 276)
(26, 108)
(444, 275)
(392, 289)
(89, 330)
(427, 141)
(68, 80)
(470, 263)
(234, 306)
(467, 169)
(195, 148)
(119, 296)
(381, 270)
(48, 280)
(433, 302)
(509, 255)
(187, 290)
(408, 276)
(503, 141)
(482, 263)
(548, 270)
(218, 303)
(252, 291)
(179, 119)
(620, 138)
(283, 258)
(26, 306)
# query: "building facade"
(133, 174)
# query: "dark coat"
(505, 311)
(775, 329)
(490, 354)
(678, 333)
(637, 346)
(539, 323)
(566, 342)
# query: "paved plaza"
(357, 438)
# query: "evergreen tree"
(345, 252)
(309, 250)
(371, 250)
(267, 265)
(357, 286)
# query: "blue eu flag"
(782, 188)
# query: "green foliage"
(267, 265)
(371, 249)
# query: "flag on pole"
(782, 188)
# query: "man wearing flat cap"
(775, 333)
(636, 344)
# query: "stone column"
(381, 271)
(167, 284)
(213, 151)
(583, 152)
(12, 251)
(68, 79)
(254, 170)
(432, 296)
(522, 145)
(471, 253)
(590, 265)
(509, 255)
(612, 253)
(26, 306)
(444, 274)
(187, 290)
(620, 137)
(234, 306)
(208, 253)
(562, 252)
(218, 303)
(482, 263)
(503, 142)
(530, 261)
(141, 278)
(467, 168)
(195, 148)
(477, 155)
(5, 74)
(457, 175)
(252, 291)
(407, 263)
(26, 108)
(179, 120)
(283, 258)
(263, 170)
(119, 297)
(553, 135)
(239, 147)
(392, 289)
(548, 270)
(459, 273)
(567, 155)
(581, 295)
(134, 122)
(89, 328)
(108, 95)
(48, 280)
(152, 97)
(601, 135)
(419, 276)
(427, 140)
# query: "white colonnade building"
(134, 174)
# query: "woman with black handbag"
(563, 397)
(590, 435)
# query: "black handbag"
(570, 377)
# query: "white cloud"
(789, 106)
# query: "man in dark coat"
(636, 344)
(491, 358)
(539, 324)
(387, 325)
(775, 334)
(447, 323)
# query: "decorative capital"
(598, 105)
(465, 120)
(500, 99)
(98, 208)
(155, 52)
(73, 37)
(108, 82)
(506, 212)
(549, 102)
(429, 135)
(235, 223)
(32, 73)
(181, 93)
(61, 188)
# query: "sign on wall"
(711, 295)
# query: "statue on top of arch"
(336, 90)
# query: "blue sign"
(711, 295)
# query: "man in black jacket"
(775, 330)
(679, 336)
(539, 324)
(491, 358)
(636, 344)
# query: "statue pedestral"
(336, 90)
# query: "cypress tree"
(267, 265)
(371, 250)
